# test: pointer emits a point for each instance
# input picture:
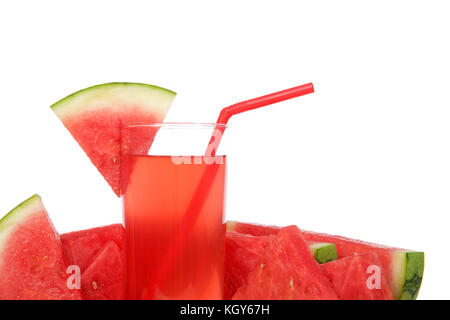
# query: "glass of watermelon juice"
(173, 199)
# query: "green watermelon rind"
(78, 101)
(411, 280)
(20, 213)
(323, 252)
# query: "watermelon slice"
(31, 257)
(243, 252)
(287, 271)
(351, 278)
(94, 117)
(242, 255)
(80, 247)
(99, 252)
(403, 268)
(104, 278)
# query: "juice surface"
(166, 259)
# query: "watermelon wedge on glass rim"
(403, 268)
(94, 116)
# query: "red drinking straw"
(200, 196)
(240, 107)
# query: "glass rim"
(177, 125)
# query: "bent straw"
(201, 194)
(240, 107)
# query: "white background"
(366, 156)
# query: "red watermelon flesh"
(94, 116)
(80, 247)
(242, 255)
(403, 268)
(31, 257)
(104, 278)
(252, 228)
(353, 278)
(287, 271)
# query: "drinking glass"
(173, 205)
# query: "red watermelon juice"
(166, 260)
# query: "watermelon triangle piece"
(287, 271)
(94, 116)
(104, 278)
(358, 277)
(31, 257)
(243, 253)
(80, 247)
